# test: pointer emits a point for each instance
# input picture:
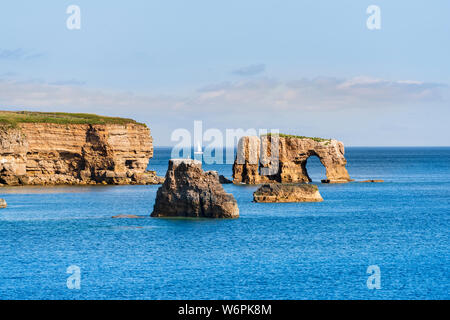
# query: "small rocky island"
(254, 153)
(49, 148)
(300, 192)
(3, 204)
(188, 191)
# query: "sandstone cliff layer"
(188, 191)
(283, 159)
(50, 153)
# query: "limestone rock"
(287, 193)
(188, 191)
(3, 204)
(148, 177)
(256, 160)
(246, 164)
(50, 153)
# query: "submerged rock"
(371, 181)
(3, 204)
(287, 193)
(126, 216)
(188, 191)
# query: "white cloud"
(71, 82)
(36, 94)
(251, 70)
(342, 108)
(320, 93)
(256, 94)
(18, 54)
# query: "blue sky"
(304, 67)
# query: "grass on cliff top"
(299, 137)
(13, 118)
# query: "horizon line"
(351, 146)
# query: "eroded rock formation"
(3, 204)
(188, 191)
(300, 192)
(282, 159)
(224, 180)
(48, 153)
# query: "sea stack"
(283, 158)
(301, 192)
(3, 204)
(188, 191)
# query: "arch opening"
(314, 169)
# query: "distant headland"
(50, 148)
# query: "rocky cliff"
(283, 159)
(57, 153)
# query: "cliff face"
(47, 153)
(253, 164)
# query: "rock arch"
(254, 163)
(314, 158)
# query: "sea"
(364, 241)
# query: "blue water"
(273, 251)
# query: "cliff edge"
(60, 148)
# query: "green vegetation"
(300, 137)
(13, 118)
